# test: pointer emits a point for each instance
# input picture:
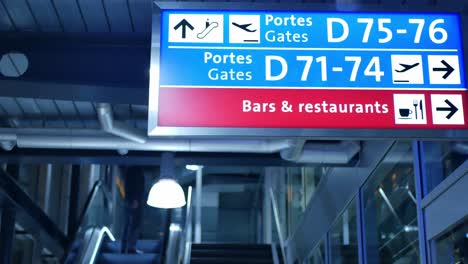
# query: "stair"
(231, 254)
(110, 253)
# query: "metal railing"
(278, 225)
(186, 240)
(33, 216)
(94, 224)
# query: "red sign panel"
(293, 108)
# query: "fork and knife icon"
(417, 103)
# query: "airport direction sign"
(306, 70)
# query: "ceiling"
(117, 16)
(97, 18)
(57, 114)
(73, 16)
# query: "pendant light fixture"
(166, 192)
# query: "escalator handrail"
(89, 256)
(98, 186)
(18, 198)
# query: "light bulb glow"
(192, 167)
(166, 193)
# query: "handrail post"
(278, 225)
(198, 206)
(187, 237)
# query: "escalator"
(151, 253)
(94, 241)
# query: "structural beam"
(138, 158)
(7, 234)
(111, 68)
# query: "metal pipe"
(278, 225)
(461, 147)
(292, 150)
(295, 151)
(184, 145)
(330, 153)
(198, 208)
(116, 128)
(188, 228)
(7, 145)
(8, 141)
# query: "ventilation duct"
(7, 141)
(92, 139)
(461, 147)
(328, 153)
(292, 150)
(117, 128)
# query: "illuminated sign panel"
(309, 70)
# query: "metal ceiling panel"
(31, 111)
(70, 15)
(119, 15)
(66, 108)
(94, 15)
(139, 110)
(87, 111)
(11, 106)
(3, 112)
(47, 107)
(141, 14)
(20, 13)
(44, 12)
(5, 20)
(50, 112)
(69, 112)
(122, 111)
(65, 112)
(29, 106)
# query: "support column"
(7, 235)
(267, 213)
(64, 197)
(74, 199)
(47, 189)
(37, 250)
(13, 170)
(198, 208)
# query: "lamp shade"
(166, 193)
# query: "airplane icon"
(244, 27)
(407, 67)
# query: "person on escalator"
(134, 186)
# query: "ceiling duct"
(328, 153)
(292, 150)
(461, 147)
(78, 139)
(8, 141)
(117, 128)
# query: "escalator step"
(232, 253)
(147, 246)
(110, 258)
(231, 246)
(229, 261)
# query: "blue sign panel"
(262, 71)
(311, 50)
